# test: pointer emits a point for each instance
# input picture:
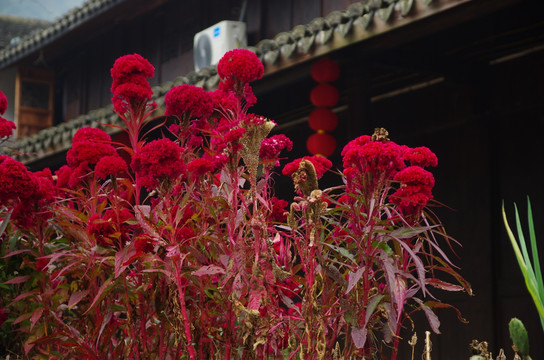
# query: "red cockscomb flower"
(111, 165)
(225, 102)
(271, 147)
(15, 180)
(89, 145)
(128, 93)
(421, 156)
(156, 161)
(63, 176)
(320, 163)
(279, 211)
(3, 103)
(6, 128)
(199, 167)
(128, 65)
(130, 88)
(189, 100)
(241, 65)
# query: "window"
(33, 100)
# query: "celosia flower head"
(15, 180)
(130, 88)
(271, 148)
(188, 100)
(3, 103)
(320, 163)
(240, 65)
(6, 127)
(129, 65)
(415, 190)
(89, 145)
(156, 161)
(421, 156)
(111, 165)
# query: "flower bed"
(176, 247)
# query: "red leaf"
(122, 259)
(21, 318)
(359, 337)
(209, 270)
(431, 316)
(36, 315)
(353, 278)
(437, 283)
(76, 297)
(16, 252)
(23, 296)
(100, 293)
(18, 280)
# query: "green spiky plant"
(529, 265)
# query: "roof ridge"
(39, 37)
(285, 46)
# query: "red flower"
(156, 161)
(415, 176)
(15, 180)
(321, 165)
(130, 88)
(421, 156)
(89, 145)
(3, 315)
(41, 264)
(415, 190)
(110, 228)
(112, 165)
(225, 102)
(279, 211)
(3, 103)
(63, 176)
(199, 167)
(128, 65)
(6, 128)
(187, 99)
(240, 65)
(143, 243)
(271, 147)
(129, 93)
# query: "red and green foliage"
(183, 251)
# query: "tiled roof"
(358, 22)
(45, 35)
(12, 28)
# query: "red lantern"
(324, 95)
(321, 143)
(323, 119)
(325, 70)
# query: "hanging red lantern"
(323, 119)
(321, 143)
(324, 95)
(325, 70)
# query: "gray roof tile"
(286, 47)
(44, 35)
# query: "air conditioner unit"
(211, 44)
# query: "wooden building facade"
(462, 77)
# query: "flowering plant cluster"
(6, 126)
(174, 245)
